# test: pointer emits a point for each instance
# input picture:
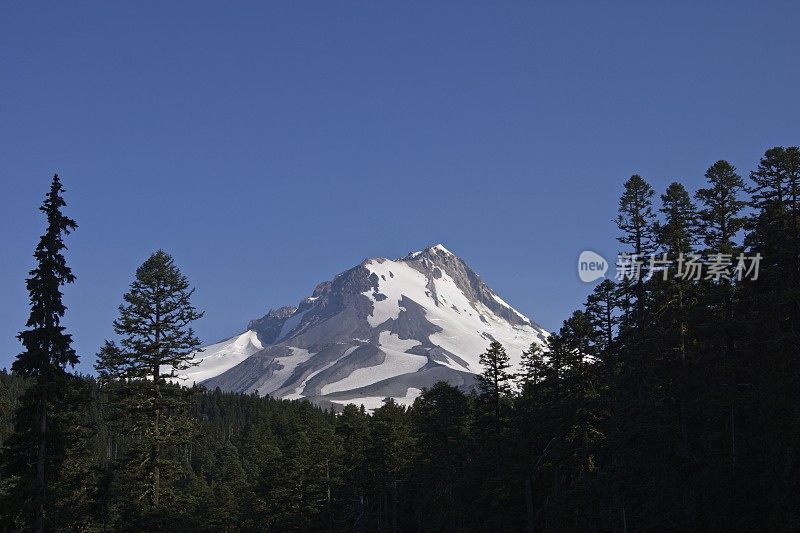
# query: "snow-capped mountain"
(381, 329)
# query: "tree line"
(667, 402)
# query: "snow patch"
(506, 304)
(287, 365)
(396, 362)
(407, 281)
(374, 402)
(464, 334)
(297, 393)
(217, 358)
(391, 341)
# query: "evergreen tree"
(635, 366)
(570, 416)
(602, 311)
(441, 419)
(775, 221)
(677, 234)
(533, 429)
(721, 220)
(767, 340)
(352, 427)
(533, 367)
(494, 381)
(48, 349)
(493, 406)
(636, 222)
(675, 301)
(389, 455)
(156, 346)
(636, 217)
(721, 207)
(775, 236)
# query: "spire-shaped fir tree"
(495, 380)
(636, 216)
(533, 367)
(721, 207)
(720, 222)
(48, 350)
(636, 222)
(676, 234)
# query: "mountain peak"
(384, 328)
(429, 251)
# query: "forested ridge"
(669, 402)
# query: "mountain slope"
(383, 328)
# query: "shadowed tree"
(440, 416)
(636, 222)
(677, 234)
(495, 380)
(48, 349)
(155, 348)
(532, 367)
(721, 220)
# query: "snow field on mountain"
(296, 394)
(218, 358)
(464, 333)
(397, 362)
(395, 280)
(287, 364)
(374, 402)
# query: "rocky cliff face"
(385, 328)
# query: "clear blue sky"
(271, 145)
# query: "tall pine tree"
(720, 221)
(48, 348)
(495, 380)
(636, 222)
(155, 348)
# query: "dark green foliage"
(495, 381)
(533, 367)
(637, 224)
(47, 346)
(720, 213)
(441, 419)
(636, 218)
(676, 235)
(154, 324)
